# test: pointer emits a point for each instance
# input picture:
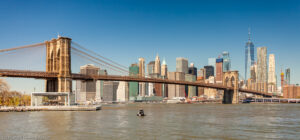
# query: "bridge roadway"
(74, 76)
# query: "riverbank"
(50, 108)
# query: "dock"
(50, 108)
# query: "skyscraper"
(272, 74)
(249, 56)
(226, 61)
(288, 76)
(192, 69)
(219, 70)
(209, 71)
(142, 85)
(133, 86)
(164, 69)
(282, 80)
(262, 74)
(182, 65)
(157, 65)
(150, 68)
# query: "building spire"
(249, 34)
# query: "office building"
(123, 92)
(133, 86)
(164, 69)
(190, 90)
(226, 61)
(288, 76)
(209, 71)
(219, 70)
(176, 90)
(110, 91)
(88, 88)
(192, 70)
(142, 85)
(150, 67)
(291, 91)
(182, 65)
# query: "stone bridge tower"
(231, 79)
(58, 59)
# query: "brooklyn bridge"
(58, 74)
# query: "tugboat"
(141, 113)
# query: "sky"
(124, 30)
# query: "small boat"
(141, 113)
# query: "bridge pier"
(231, 79)
(58, 59)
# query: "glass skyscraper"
(249, 57)
(226, 61)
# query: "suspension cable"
(78, 45)
(22, 47)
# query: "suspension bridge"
(59, 76)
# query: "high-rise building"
(209, 71)
(282, 80)
(262, 73)
(110, 91)
(176, 90)
(164, 69)
(288, 76)
(212, 62)
(272, 74)
(157, 65)
(122, 92)
(291, 91)
(249, 56)
(252, 80)
(192, 69)
(190, 90)
(219, 70)
(88, 88)
(150, 67)
(142, 85)
(133, 86)
(182, 65)
(100, 86)
(226, 62)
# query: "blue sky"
(127, 29)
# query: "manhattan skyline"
(194, 30)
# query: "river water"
(163, 121)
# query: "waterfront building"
(182, 65)
(142, 85)
(219, 70)
(209, 71)
(291, 91)
(226, 61)
(150, 67)
(288, 76)
(110, 91)
(190, 90)
(252, 80)
(262, 73)
(249, 56)
(272, 74)
(122, 92)
(88, 88)
(157, 87)
(133, 86)
(176, 90)
(157, 68)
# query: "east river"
(163, 121)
